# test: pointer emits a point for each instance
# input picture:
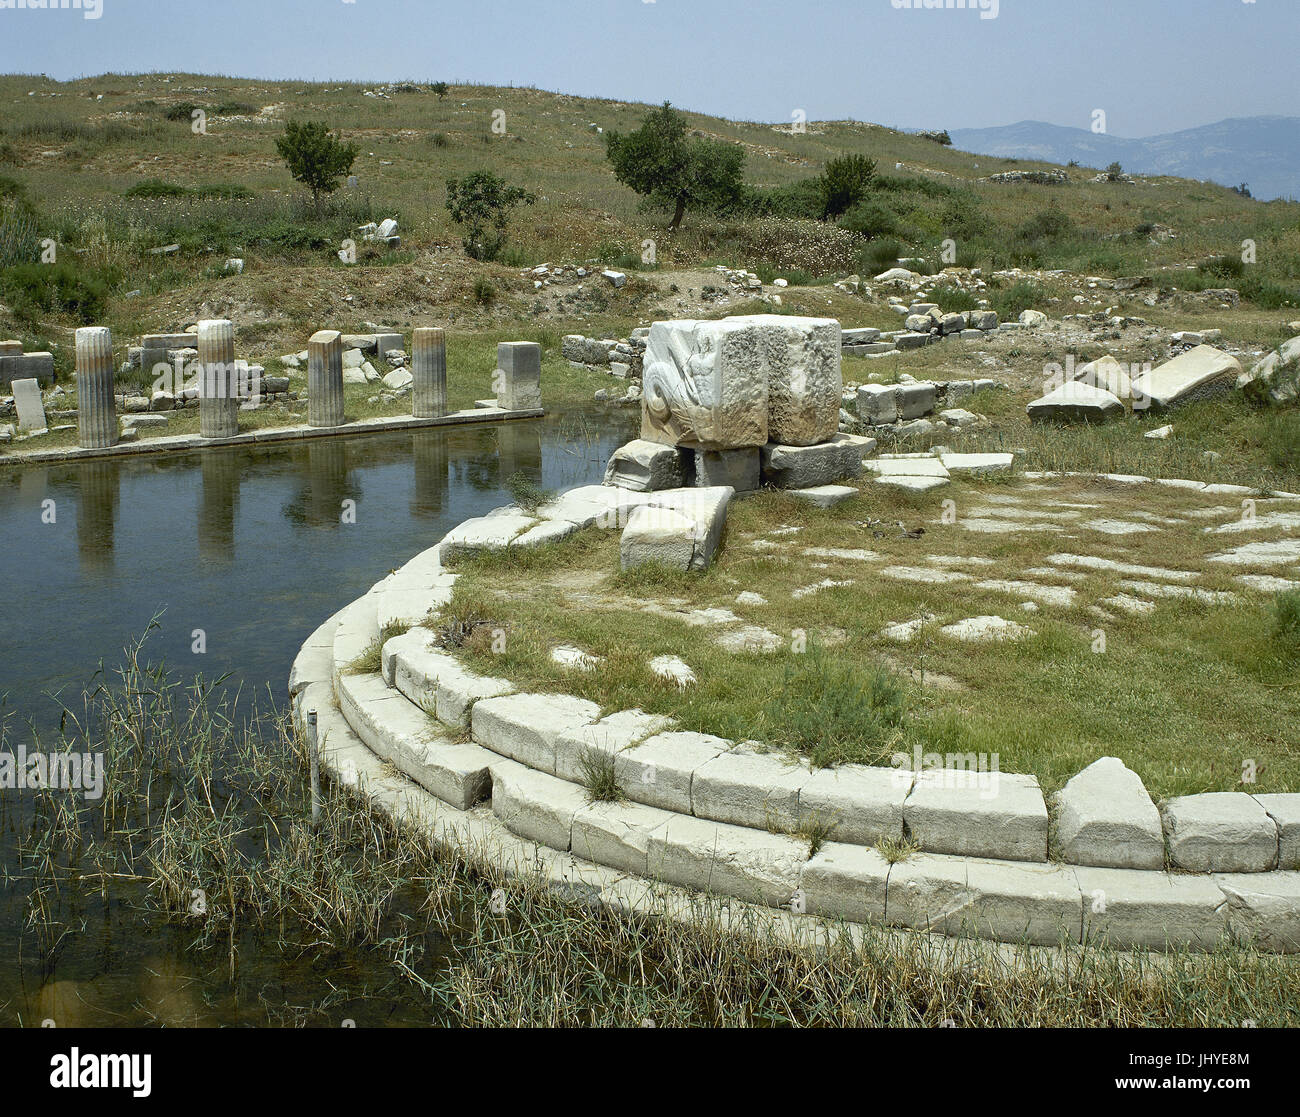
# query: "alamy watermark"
(988, 9)
(90, 9)
(54, 771)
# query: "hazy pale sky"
(1153, 65)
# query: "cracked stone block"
(1105, 817)
(1138, 909)
(644, 466)
(804, 380)
(617, 835)
(1284, 810)
(737, 861)
(863, 804)
(1075, 401)
(977, 814)
(749, 789)
(609, 735)
(534, 805)
(682, 529)
(525, 727)
(30, 407)
(845, 882)
(659, 771)
(704, 385)
(1220, 832)
(1264, 908)
(1200, 373)
(915, 399)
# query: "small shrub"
(834, 713)
(156, 188)
(484, 293)
(38, 289)
(525, 492)
(439, 139)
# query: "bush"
(1025, 294)
(481, 203)
(484, 293)
(314, 157)
(156, 188)
(789, 244)
(1222, 267)
(844, 183)
(834, 713)
(38, 289)
(525, 492)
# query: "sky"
(1153, 65)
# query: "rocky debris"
(1105, 817)
(1275, 378)
(679, 528)
(385, 232)
(1200, 373)
(1074, 401)
(1041, 178)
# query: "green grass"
(1180, 695)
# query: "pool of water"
(242, 552)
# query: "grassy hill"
(110, 167)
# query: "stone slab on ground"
(802, 467)
(1105, 817)
(986, 629)
(525, 727)
(1200, 373)
(492, 532)
(977, 814)
(825, 496)
(1220, 831)
(1075, 402)
(977, 464)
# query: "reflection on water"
(250, 544)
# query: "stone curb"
(528, 755)
(184, 442)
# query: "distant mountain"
(1261, 151)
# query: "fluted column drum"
(218, 387)
(325, 379)
(429, 369)
(96, 407)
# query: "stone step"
(414, 743)
(356, 632)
